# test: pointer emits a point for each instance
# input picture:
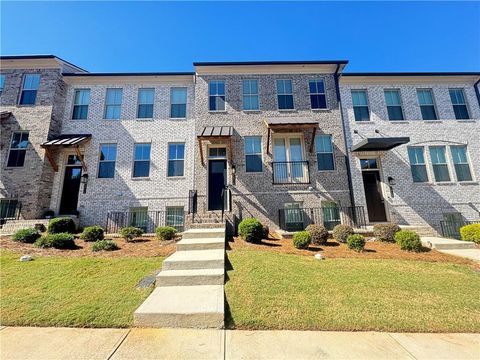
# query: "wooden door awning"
(66, 140)
(216, 133)
(291, 123)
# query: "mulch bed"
(142, 247)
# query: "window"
(145, 103)
(141, 162)
(80, 104)
(250, 95)
(459, 105)
(285, 94)
(360, 105)
(318, 99)
(176, 158)
(113, 104)
(394, 104)
(31, 82)
(324, 150)
(439, 163)
(216, 95)
(253, 154)
(217, 152)
(2, 83)
(425, 99)
(18, 149)
(106, 163)
(460, 162)
(178, 103)
(175, 217)
(417, 164)
(367, 164)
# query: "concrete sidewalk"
(73, 343)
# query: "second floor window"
(18, 149)
(31, 82)
(216, 96)
(176, 159)
(106, 163)
(394, 104)
(145, 103)
(285, 94)
(113, 104)
(253, 154)
(427, 106)
(324, 150)
(360, 105)
(178, 103)
(80, 104)
(2, 83)
(250, 95)
(460, 162)
(318, 99)
(439, 163)
(141, 161)
(417, 164)
(459, 104)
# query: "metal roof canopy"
(66, 140)
(291, 123)
(216, 133)
(379, 144)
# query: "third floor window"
(250, 95)
(394, 104)
(216, 96)
(145, 103)
(427, 106)
(285, 94)
(80, 104)
(31, 82)
(318, 100)
(360, 105)
(113, 104)
(459, 104)
(178, 103)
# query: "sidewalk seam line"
(119, 344)
(403, 347)
(224, 344)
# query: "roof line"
(131, 74)
(309, 62)
(439, 73)
(39, 56)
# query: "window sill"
(26, 105)
(444, 183)
(433, 121)
(321, 110)
(467, 121)
(12, 167)
(287, 110)
(364, 122)
(141, 178)
(144, 119)
(466, 183)
(252, 111)
(253, 172)
(176, 177)
(399, 122)
(175, 119)
(217, 111)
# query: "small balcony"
(290, 172)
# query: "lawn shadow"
(425, 249)
(229, 321)
(228, 264)
(331, 243)
(267, 244)
(369, 250)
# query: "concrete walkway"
(465, 249)
(73, 343)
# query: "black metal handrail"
(290, 172)
(451, 228)
(148, 221)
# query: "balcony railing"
(290, 172)
(9, 210)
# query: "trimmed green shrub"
(266, 232)
(130, 233)
(29, 235)
(301, 239)
(251, 230)
(470, 233)
(318, 233)
(61, 225)
(165, 232)
(58, 241)
(385, 232)
(105, 245)
(342, 232)
(92, 233)
(408, 240)
(356, 242)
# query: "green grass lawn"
(268, 290)
(61, 291)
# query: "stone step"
(201, 244)
(195, 259)
(446, 244)
(218, 232)
(206, 225)
(183, 306)
(191, 277)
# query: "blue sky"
(168, 36)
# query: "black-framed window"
(393, 100)
(427, 105)
(324, 150)
(360, 105)
(318, 98)
(18, 149)
(459, 104)
(145, 103)
(460, 162)
(106, 161)
(367, 164)
(216, 95)
(250, 95)
(253, 154)
(81, 101)
(31, 83)
(418, 167)
(141, 161)
(285, 95)
(176, 159)
(439, 163)
(178, 102)
(113, 104)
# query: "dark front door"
(216, 183)
(373, 194)
(71, 185)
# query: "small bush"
(342, 232)
(302, 239)
(385, 232)
(92, 233)
(61, 225)
(266, 232)
(130, 233)
(58, 241)
(165, 232)
(470, 233)
(356, 242)
(318, 233)
(26, 235)
(408, 240)
(105, 245)
(251, 230)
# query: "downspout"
(347, 158)
(477, 92)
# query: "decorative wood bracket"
(50, 158)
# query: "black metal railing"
(297, 219)
(9, 210)
(148, 221)
(290, 172)
(192, 201)
(451, 228)
(226, 197)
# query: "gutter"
(477, 92)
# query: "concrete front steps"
(190, 288)
(446, 244)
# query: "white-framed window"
(18, 149)
(439, 163)
(393, 100)
(106, 160)
(427, 104)
(178, 102)
(318, 97)
(146, 99)
(113, 103)
(175, 217)
(2, 83)
(141, 160)
(285, 94)
(460, 162)
(250, 95)
(176, 159)
(459, 104)
(418, 167)
(253, 154)
(360, 105)
(31, 83)
(81, 100)
(324, 150)
(216, 95)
